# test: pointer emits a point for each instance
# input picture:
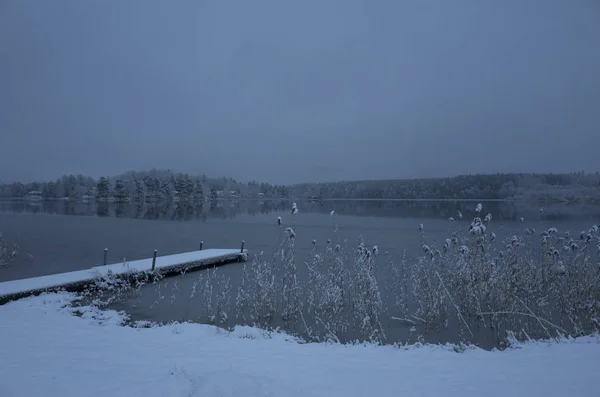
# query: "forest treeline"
(166, 185)
(567, 187)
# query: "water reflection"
(225, 209)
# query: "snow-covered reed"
(108, 288)
(339, 293)
(256, 297)
(471, 285)
(541, 286)
(8, 251)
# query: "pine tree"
(103, 188)
(179, 183)
(149, 186)
(49, 190)
(120, 192)
(140, 194)
(198, 191)
(213, 193)
(167, 190)
(189, 187)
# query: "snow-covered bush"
(107, 288)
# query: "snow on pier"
(77, 280)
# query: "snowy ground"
(47, 351)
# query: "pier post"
(201, 244)
(242, 250)
(154, 260)
(105, 255)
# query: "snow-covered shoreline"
(47, 350)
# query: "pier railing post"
(105, 255)
(242, 250)
(201, 244)
(154, 260)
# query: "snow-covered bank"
(47, 351)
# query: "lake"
(58, 236)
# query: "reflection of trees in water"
(35, 207)
(185, 212)
(150, 212)
(69, 209)
(121, 210)
(224, 209)
(103, 209)
(501, 210)
(139, 210)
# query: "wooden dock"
(79, 280)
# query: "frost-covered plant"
(400, 285)
(206, 280)
(325, 297)
(290, 287)
(190, 298)
(366, 298)
(109, 287)
(8, 251)
(428, 297)
(537, 284)
(222, 299)
(256, 298)
(545, 286)
(106, 289)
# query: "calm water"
(59, 236)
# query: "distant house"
(34, 195)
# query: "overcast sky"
(293, 91)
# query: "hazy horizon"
(298, 93)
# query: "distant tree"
(149, 186)
(162, 184)
(18, 190)
(70, 186)
(213, 193)
(49, 190)
(103, 188)
(184, 187)
(167, 189)
(120, 191)
(198, 191)
(189, 187)
(139, 192)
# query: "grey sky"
(287, 92)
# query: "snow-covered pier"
(78, 280)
